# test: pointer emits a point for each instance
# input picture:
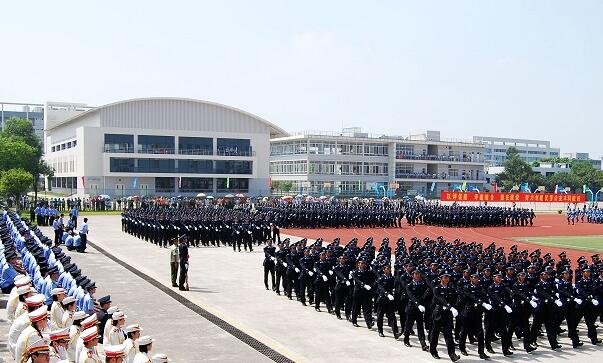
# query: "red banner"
(512, 197)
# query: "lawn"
(585, 243)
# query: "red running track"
(544, 225)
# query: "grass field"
(584, 243)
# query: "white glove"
(347, 283)
(487, 306)
(595, 302)
(533, 303)
(454, 312)
(558, 303)
(285, 264)
(296, 270)
(508, 309)
(390, 297)
(367, 287)
(578, 301)
(331, 272)
(310, 273)
(273, 258)
(324, 278)
(421, 308)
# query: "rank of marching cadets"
(463, 291)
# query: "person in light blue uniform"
(7, 279)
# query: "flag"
(525, 188)
(269, 183)
(495, 187)
(474, 188)
(464, 187)
(556, 188)
(84, 182)
(179, 182)
(134, 182)
(433, 184)
(456, 187)
(228, 183)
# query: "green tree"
(15, 183)
(21, 130)
(15, 153)
(516, 171)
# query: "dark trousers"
(269, 268)
(174, 273)
(57, 236)
(411, 317)
(281, 274)
(292, 282)
(520, 323)
(386, 307)
(362, 301)
(442, 325)
(84, 240)
(343, 300)
(183, 274)
(546, 315)
(472, 326)
(497, 323)
(321, 293)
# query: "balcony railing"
(228, 151)
(164, 170)
(446, 158)
(119, 148)
(442, 176)
(142, 149)
(202, 151)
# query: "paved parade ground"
(229, 316)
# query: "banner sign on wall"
(512, 197)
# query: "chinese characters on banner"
(512, 197)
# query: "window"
(197, 185)
(119, 143)
(156, 165)
(234, 147)
(195, 166)
(150, 144)
(165, 185)
(289, 148)
(289, 167)
(53, 148)
(232, 185)
(324, 167)
(375, 149)
(121, 165)
(233, 167)
(351, 149)
(195, 145)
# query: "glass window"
(121, 165)
(233, 167)
(165, 185)
(195, 166)
(119, 143)
(197, 185)
(151, 144)
(232, 185)
(53, 148)
(195, 145)
(156, 165)
(234, 147)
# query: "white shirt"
(84, 228)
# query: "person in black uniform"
(417, 293)
(281, 268)
(444, 313)
(343, 288)
(586, 290)
(546, 311)
(183, 255)
(386, 302)
(323, 273)
(499, 315)
(520, 318)
(364, 280)
(475, 301)
(569, 309)
(269, 265)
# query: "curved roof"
(275, 131)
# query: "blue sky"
(531, 69)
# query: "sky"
(524, 69)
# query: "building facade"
(34, 112)
(496, 148)
(352, 163)
(158, 146)
(596, 163)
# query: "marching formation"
(465, 291)
(51, 306)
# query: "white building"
(596, 163)
(157, 146)
(353, 163)
(529, 150)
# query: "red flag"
(270, 183)
(84, 182)
(495, 187)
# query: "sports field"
(583, 243)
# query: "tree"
(15, 183)
(516, 171)
(15, 153)
(21, 130)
